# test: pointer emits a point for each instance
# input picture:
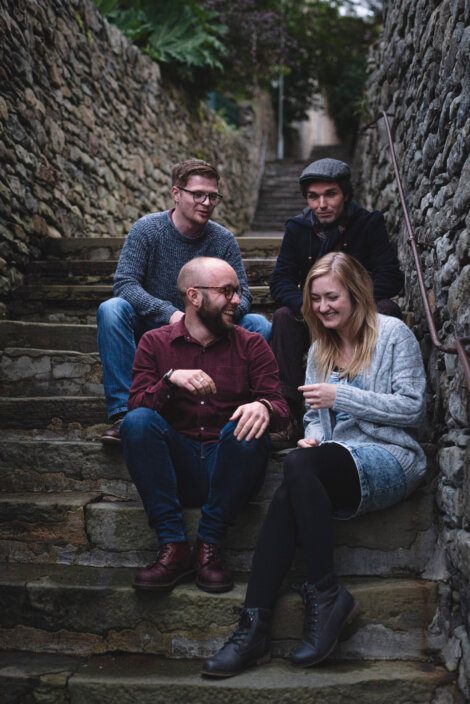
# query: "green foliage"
(170, 31)
(331, 57)
(228, 48)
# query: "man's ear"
(193, 296)
(175, 193)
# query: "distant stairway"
(72, 532)
(279, 196)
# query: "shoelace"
(212, 553)
(311, 610)
(311, 605)
(163, 552)
(241, 631)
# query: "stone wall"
(89, 132)
(420, 73)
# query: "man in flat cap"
(332, 221)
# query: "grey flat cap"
(325, 170)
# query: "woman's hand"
(319, 395)
(308, 442)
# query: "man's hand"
(308, 442)
(319, 395)
(194, 380)
(253, 419)
(176, 317)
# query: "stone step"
(52, 461)
(270, 220)
(54, 412)
(33, 677)
(92, 529)
(103, 248)
(90, 611)
(267, 218)
(84, 271)
(38, 372)
(48, 336)
(277, 204)
(148, 679)
(271, 232)
(78, 303)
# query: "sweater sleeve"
(234, 258)
(403, 405)
(130, 275)
(312, 423)
(285, 279)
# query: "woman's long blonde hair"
(364, 322)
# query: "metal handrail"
(460, 342)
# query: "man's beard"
(214, 322)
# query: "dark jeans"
(291, 340)
(317, 481)
(171, 470)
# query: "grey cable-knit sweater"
(389, 408)
(153, 255)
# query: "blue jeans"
(171, 470)
(119, 326)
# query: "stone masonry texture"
(420, 74)
(89, 132)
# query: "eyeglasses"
(200, 196)
(228, 291)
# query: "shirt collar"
(179, 330)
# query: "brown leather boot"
(112, 435)
(211, 574)
(174, 563)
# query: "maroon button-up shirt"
(241, 365)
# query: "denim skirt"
(381, 477)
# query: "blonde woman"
(365, 395)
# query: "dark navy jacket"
(364, 237)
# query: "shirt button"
(202, 403)
(202, 427)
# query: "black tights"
(317, 481)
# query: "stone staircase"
(72, 531)
(279, 196)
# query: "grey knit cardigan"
(390, 407)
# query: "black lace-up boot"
(327, 610)
(249, 645)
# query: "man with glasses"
(145, 290)
(204, 392)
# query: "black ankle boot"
(326, 612)
(249, 645)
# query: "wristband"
(166, 378)
(267, 405)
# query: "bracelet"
(166, 378)
(267, 405)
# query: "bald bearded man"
(204, 394)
